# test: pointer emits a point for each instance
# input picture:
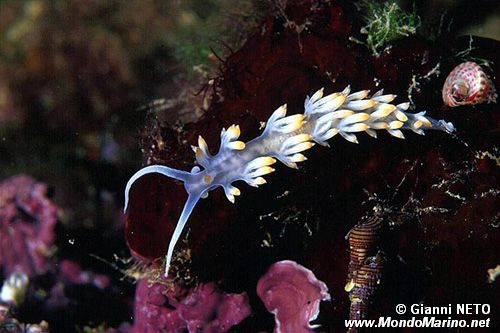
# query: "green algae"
(386, 22)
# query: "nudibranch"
(468, 84)
(284, 139)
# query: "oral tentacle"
(160, 169)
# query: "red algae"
(292, 293)
(27, 221)
(201, 309)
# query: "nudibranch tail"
(286, 138)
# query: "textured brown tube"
(365, 266)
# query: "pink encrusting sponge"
(284, 139)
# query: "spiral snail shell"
(468, 84)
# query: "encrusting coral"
(285, 138)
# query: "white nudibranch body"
(284, 139)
